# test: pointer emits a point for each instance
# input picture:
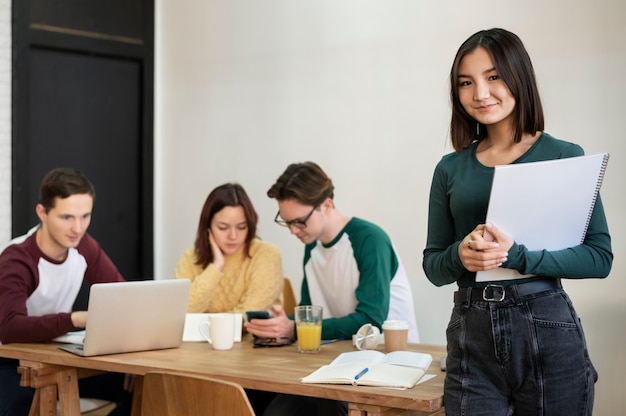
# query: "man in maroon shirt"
(41, 274)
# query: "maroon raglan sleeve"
(100, 268)
(18, 279)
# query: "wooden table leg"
(356, 409)
(67, 384)
(51, 381)
(47, 402)
(137, 395)
(34, 406)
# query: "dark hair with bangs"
(514, 66)
(227, 195)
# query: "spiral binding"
(605, 161)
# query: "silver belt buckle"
(494, 293)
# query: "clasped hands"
(485, 248)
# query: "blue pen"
(328, 341)
(358, 376)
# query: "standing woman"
(230, 269)
(524, 353)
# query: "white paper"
(543, 205)
(191, 333)
(74, 337)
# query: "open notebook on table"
(398, 369)
(132, 316)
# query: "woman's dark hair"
(514, 67)
(227, 195)
(304, 182)
(63, 183)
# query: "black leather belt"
(497, 293)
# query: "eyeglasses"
(299, 223)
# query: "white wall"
(360, 86)
(5, 120)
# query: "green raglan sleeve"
(377, 263)
(305, 296)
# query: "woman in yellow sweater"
(230, 269)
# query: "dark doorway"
(83, 98)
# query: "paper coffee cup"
(396, 335)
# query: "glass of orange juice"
(309, 328)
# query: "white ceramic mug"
(192, 326)
(219, 330)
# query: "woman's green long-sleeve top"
(459, 197)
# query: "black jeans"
(523, 356)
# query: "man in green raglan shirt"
(351, 268)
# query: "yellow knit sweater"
(245, 284)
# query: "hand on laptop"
(79, 319)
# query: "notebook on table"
(132, 316)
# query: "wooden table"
(51, 370)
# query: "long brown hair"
(227, 195)
(514, 66)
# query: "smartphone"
(250, 315)
(257, 315)
(272, 342)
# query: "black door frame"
(28, 34)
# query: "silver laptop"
(134, 316)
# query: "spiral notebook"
(544, 205)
